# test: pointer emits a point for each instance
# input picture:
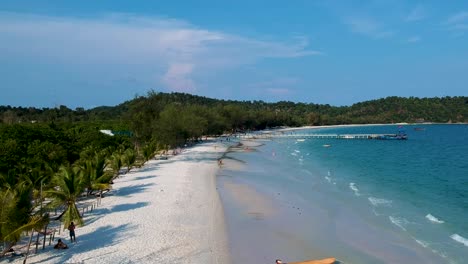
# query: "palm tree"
(149, 150)
(115, 162)
(68, 185)
(95, 175)
(9, 214)
(37, 179)
(16, 214)
(129, 158)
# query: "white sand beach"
(168, 211)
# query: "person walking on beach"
(71, 228)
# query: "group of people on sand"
(60, 244)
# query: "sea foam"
(379, 201)
(460, 239)
(353, 187)
(422, 243)
(399, 221)
(434, 219)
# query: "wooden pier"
(322, 136)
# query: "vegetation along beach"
(145, 188)
(219, 132)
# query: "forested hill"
(61, 136)
(386, 110)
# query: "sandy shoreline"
(168, 211)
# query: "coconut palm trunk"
(68, 187)
(29, 246)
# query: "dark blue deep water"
(382, 201)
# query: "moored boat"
(316, 261)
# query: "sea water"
(362, 201)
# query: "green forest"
(52, 157)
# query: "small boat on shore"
(317, 261)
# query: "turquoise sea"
(362, 201)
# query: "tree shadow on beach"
(99, 212)
(129, 190)
(144, 177)
(104, 236)
(127, 207)
(147, 167)
(96, 215)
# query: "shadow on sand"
(127, 207)
(99, 212)
(129, 190)
(144, 177)
(103, 237)
(147, 167)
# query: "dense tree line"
(61, 151)
(253, 114)
(173, 118)
(49, 166)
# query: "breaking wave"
(379, 201)
(434, 219)
(460, 239)
(353, 187)
(399, 221)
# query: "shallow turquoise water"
(368, 201)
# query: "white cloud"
(277, 81)
(458, 18)
(414, 39)
(275, 86)
(177, 78)
(418, 13)
(368, 26)
(461, 26)
(457, 23)
(174, 49)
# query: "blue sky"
(92, 53)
